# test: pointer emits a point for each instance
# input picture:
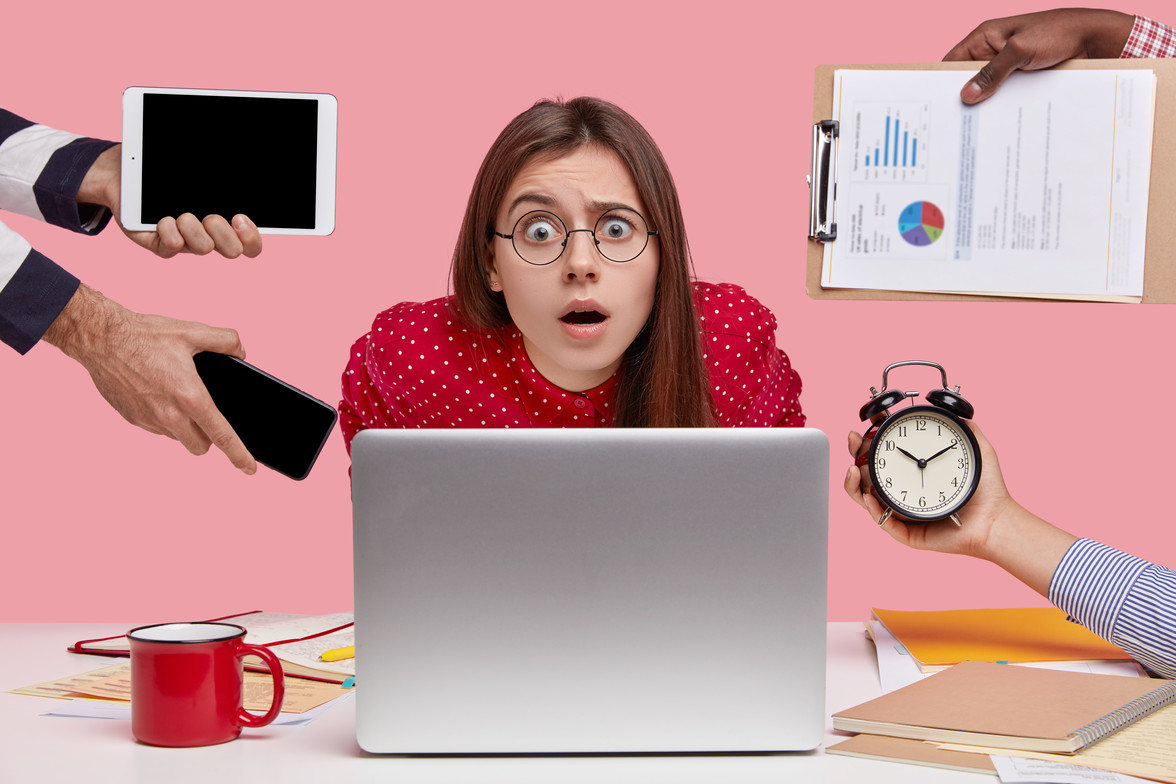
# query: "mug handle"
(244, 717)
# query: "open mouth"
(583, 317)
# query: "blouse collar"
(544, 401)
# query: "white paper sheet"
(1040, 190)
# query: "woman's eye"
(616, 229)
(539, 231)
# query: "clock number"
(888, 483)
(901, 431)
(904, 492)
(939, 430)
(955, 482)
(922, 501)
(889, 445)
(920, 425)
(880, 462)
(961, 462)
(942, 497)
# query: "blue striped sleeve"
(1121, 598)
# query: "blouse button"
(580, 402)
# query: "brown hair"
(662, 381)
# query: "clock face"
(924, 463)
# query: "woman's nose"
(581, 258)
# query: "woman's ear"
(492, 274)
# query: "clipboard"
(1159, 281)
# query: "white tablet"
(268, 155)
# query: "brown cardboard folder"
(1159, 282)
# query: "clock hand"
(919, 462)
(941, 451)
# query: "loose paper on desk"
(1146, 748)
(1040, 190)
(1022, 770)
(304, 653)
(113, 684)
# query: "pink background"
(104, 521)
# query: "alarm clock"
(924, 463)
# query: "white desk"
(41, 749)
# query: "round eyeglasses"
(540, 237)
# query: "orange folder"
(1020, 634)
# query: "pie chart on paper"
(921, 223)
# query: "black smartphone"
(281, 426)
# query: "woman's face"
(579, 313)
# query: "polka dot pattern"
(421, 366)
(752, 382)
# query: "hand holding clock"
(995, 527)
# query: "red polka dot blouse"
(421, 367)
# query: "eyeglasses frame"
(568, 236)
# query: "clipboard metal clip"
(822, 182)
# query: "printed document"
(1041, 190)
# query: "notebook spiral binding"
(1132, 711)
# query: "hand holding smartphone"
(281, 426)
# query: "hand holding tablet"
(267, 155)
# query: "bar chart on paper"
(890, 141)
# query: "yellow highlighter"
(339, 654)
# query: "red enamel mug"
(186, 683)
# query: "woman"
(573, 304)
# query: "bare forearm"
(87, 321)
(102, 182)
(1026, 546)
(1105, 32)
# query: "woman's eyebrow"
(605, 206)
(542, 199)
(551, 203)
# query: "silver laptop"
(576, 591)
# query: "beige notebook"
(912, 752)
(1010, 707)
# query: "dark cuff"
(57, 187)
(33, 298)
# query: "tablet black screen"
(230, 154)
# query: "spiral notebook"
(1010, 707)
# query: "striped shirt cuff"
(33, 297)
(41, 171)
(1150, 39)
(1121, 598)
(57, 187)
